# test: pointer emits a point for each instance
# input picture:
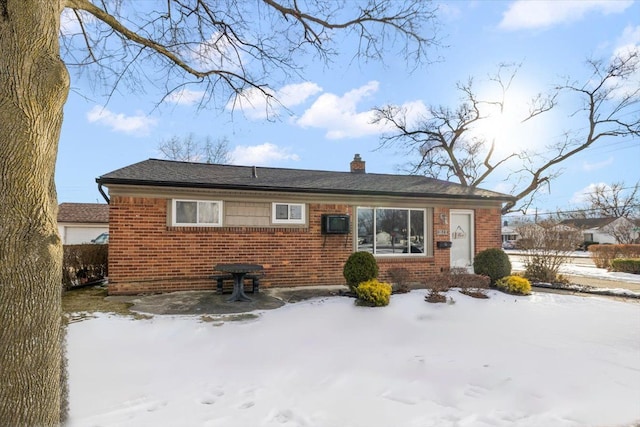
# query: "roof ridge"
(290, 169)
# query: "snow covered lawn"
(543, 360)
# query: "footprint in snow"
(212, 397)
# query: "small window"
(288, 213)
(197, 213)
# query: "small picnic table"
(238, 271)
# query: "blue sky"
(329, 112)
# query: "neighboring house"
(509, 233)
(605, 230)
(82, 222)
(172, 222)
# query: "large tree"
(449, 142)
(218, 47)
(614, 201)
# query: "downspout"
(104, 195)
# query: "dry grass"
(82, 302)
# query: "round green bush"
(360, 267)
(374, 293)
(493, 263)
(514, 285)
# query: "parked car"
(102, 239)
(509, 244)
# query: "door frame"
(472, 232)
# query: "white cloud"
(261, 155)
(339, 115)
(256, 106)
(296, 94)
(526, 14)
(139, 125)
(218, 52)
(415, 111)
(630, 36)
(581, 196)
(628, 44)
(185, 97)
(589, 167)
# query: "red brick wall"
(147, 256)
(488, 229)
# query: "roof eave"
(116, 181)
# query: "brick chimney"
(357, 164)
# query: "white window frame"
(174, 215)
(303, 216)
(426, 225)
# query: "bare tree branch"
(614, 201)
(190, 149)
(446, 147)
(215, 45)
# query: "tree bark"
(34, 85)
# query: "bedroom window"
(392, 231)
(204, 213)
(288, 213)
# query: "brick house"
(606, 230)
(171, 222)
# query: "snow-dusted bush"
(545, 246)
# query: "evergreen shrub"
(626, 265)
(493, 263)
(360, 267)
(602, 255)
(514, 285)
(374, 293)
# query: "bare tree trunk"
(34, 85)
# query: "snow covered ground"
(625, 284)
(543, 360)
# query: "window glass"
(194, 212)
(388, 231)
(292, 213)
(295, 211)
(391, 231)
(365, 229)
(282, 212)
(186, 212)
(207, 213)
(416, 227)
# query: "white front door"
(462, 243)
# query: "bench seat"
(221, 278)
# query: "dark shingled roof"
(83, 212)
(167, 173)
